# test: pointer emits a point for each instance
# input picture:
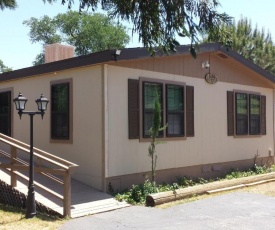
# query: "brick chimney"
(57, 52)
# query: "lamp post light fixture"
(20, 103)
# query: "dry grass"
(265, 189)
(14, 219)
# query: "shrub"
(185, 181)
(137, 194)
(202, 181)
(258, 169)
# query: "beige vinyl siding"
(226, 69)
(211, 144)
(101, 146)
(86, 148)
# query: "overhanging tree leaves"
(10, 4)
(159, 22)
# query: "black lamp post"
(20, 103)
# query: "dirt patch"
(265, 189)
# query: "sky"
(16, 50)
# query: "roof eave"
(126, 54)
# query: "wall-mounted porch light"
(116, 54)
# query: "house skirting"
(206, 171)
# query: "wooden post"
(67, 194)
(13, 162)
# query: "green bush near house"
(137, 194)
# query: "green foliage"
(254, 44)
(255, 170)
(185, 181)
(202, 181)
(159, 22)
(43, 30)
(10, 4)
(39, 59)
(137, 194)
(154, 132)
(259, 169)
(91, 32)
(4, 68)
(156, 126)
(86, 32)
(238, 174)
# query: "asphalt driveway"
(237, 210)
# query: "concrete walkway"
(237, 210)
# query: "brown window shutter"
(230, 113)
(190, 129)
(133, 108)
(263, 115)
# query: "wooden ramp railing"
(54, 168)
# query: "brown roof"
(126, 54)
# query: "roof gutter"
(126, 54)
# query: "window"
(150, 90)
(60, 111)
(177, 108)
(254, 113)
(5, 113)
(241, 114)
(248, 114)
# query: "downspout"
(105, 134)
